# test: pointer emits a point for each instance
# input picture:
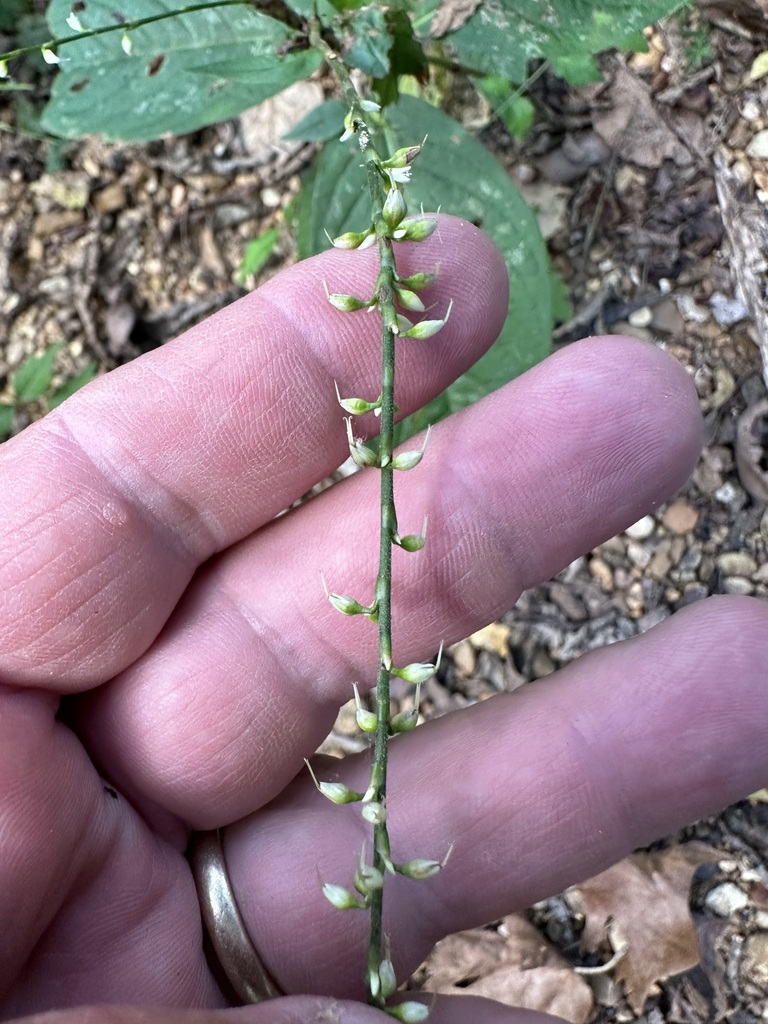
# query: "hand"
(168, 658)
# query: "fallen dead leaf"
(451, 14)
(633, 127)
(520, 969)
(644, 899)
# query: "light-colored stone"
(642, 529)
(758, 146)
(680, 517)
(736, 563)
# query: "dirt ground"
(652, 189)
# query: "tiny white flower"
(74, 22)
(127, 44)
(369, 106)
(3, 68)
(49, 55)
(399, 175)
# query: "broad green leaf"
(159, 87)
(370, 48)
(257, 252)
(502, 36)
(33, 378)
(6, 420)
(324, 122)
(74, 384)
(453, 171)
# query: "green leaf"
(562, 307)
(516, 111)
(370, 49)
(68, 388)
(324, 122)
(454, 171)
(6, 420)
(169, 83)
(502, 36)
(257, 252)
(10, 12)
(33, 378)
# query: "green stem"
(273, 9)
(385, 296)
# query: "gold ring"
(235, 952)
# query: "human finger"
(532, 791)
(295, 1010)
(247, 678)
(124, 490)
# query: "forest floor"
(652, 189)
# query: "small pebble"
(680, 517)
(758, 146)
(602, 573)
(751, 110)
(641, 317)
(642, 529)
(731, 495)
(736, 563)
(737, 585)
(638, 555)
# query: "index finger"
(119, 495)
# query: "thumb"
(297, 1010)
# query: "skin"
(167, 656)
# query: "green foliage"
(182, 73)
(503, 36)
(257, 252)
(32, 382)
(515, 110)
(11, 12)
(455, 170)
(33, 378)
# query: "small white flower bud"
(414, 229)
(417, 672)
(409, 300)
(346, 605)
(387, 978)
(49, 55)
(126, 44)
(420, 868)
(374, 812)
(347, 303)
(336, 792)
(418, 281)
(357, 406)
(394, 208)
(366, 720)
(368, 879)
(369, 106)
(408, 1013)
(74, 22)
(361, 454)
(427, 328)
(342, 898)
(3, 68)
(404, 721)
(353, 239)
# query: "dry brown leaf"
(450, 15)
(632, 126)
(518, 969)
(644, 899)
